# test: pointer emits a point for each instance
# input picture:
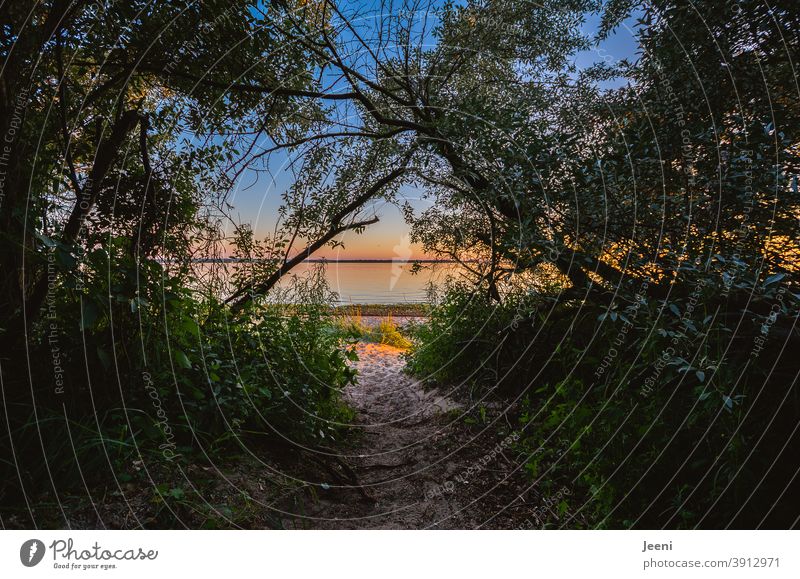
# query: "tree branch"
(243, 296)
(107, 152)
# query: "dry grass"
(385, 332)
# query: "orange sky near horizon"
(387, 239)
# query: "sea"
(349, 281)
(380, 282)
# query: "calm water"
(382, 282)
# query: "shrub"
(463, 339)
(653, 414)
(148, 371)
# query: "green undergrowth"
(651, 413)
(154, 381)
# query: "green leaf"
(182, 359)
(562, 508)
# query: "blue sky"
(257, 198)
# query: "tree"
(448, 105)
(113, 118)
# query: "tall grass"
(386, 332)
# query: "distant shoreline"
(407, 310)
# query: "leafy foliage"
(630, 253)
(619, 404)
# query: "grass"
(372, 310)
(396, 310)
(386, 332)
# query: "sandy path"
(410, 458)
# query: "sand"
(411, 460)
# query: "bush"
(463, 339)
(150, 373)
(653, 414)
(268, 372)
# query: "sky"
(256, 199)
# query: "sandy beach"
(411, 459)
